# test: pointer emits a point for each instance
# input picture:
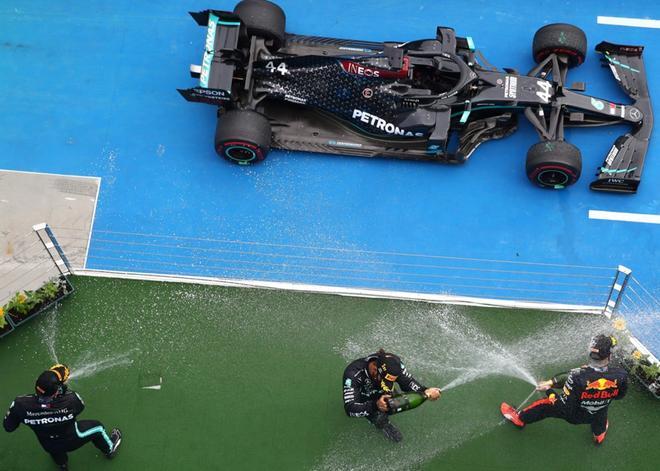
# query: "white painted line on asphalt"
(625, 217)
(619, 21)
(68, 198)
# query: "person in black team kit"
(585, 396)
(51, 413)
(369, 383)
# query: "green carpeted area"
(251, 379)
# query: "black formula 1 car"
(431, 99)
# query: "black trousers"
(378, 418)
(86, 431)
(544, 408)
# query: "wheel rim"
(553, 177)
(573, 55)
(240, 153)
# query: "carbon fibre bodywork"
(433, 99)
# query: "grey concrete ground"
(65, 203)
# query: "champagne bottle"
(405, 401)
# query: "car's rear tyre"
(553, 164)
(263, 19)
(561, 39)
(242, 136)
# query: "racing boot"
(381, 422)
(392, 433)
(598, 439)
(115, 438)
(511, 414)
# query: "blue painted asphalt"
(89, 88)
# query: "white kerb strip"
(625, 217)
(635, 22)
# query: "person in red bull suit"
(368, 384)
(585, 396)
(51, 414)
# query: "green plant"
(3, 321)
(22, 303)
(49, 291)
(642, 366)
(651, 371)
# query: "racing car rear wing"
(217, 69)
(622, 169)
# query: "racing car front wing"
(622, 169)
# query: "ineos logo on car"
(358, 69)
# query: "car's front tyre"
(553, 164)
(562, 39)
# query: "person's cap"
(389, 370)
(47, 384)
(601, 347)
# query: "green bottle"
(405, 401)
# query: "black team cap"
(601, 347)
(389, 369)
(47, 384)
